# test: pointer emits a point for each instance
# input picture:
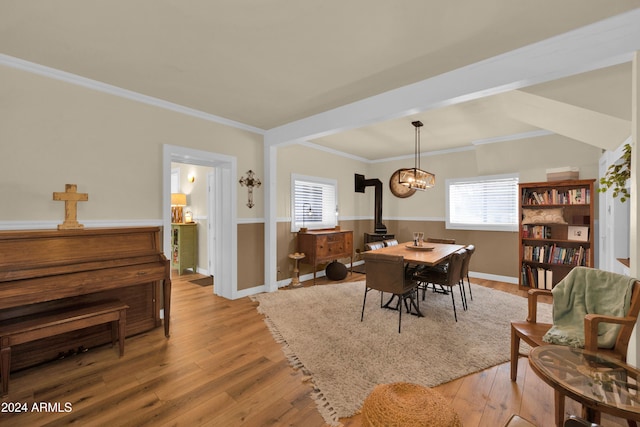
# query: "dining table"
(428, 254)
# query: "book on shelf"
(553, 254)
(548, 279)
(537, 277)
(536, 231)
(541, 278)
(574, 196)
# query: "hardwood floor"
(221, 367)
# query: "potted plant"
(617, 175)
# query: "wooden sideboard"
(326, 245)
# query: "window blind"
(483, 203)
(314, 203)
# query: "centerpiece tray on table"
(420, 248)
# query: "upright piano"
(41, 270)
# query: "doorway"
(192, 181)
(221, 207)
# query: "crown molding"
(77, 80)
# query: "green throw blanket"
(588, 291)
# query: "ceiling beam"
(602, 44)
(581, 124)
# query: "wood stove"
(380, 230)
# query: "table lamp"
(178, 201)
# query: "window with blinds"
(482, 203)
(314, 202)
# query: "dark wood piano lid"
(37, 253)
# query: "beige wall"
(496, 252)
(250, 255)
(309, 161)
(53, 133)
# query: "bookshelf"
(556, 230)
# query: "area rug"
(321, 333)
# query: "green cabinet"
(184, 246)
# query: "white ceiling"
(268, 64)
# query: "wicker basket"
(407, 405)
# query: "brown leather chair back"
(386, 273)
(465, 264)
(454, 271)
(438, 240)
(390, 242)
(371, 246)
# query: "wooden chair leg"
(515, 353)
(114, 332)
(559, 407)
(5, 356)
(122, 330)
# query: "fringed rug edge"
(324, 407)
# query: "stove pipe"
(361, 184)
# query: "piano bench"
(29, 328)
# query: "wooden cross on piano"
(71, 197)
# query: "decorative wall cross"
(250, 182)
(70, 197)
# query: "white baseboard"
(497, 278)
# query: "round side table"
(295, 279)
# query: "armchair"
(532, 332)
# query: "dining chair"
(439, 240)
(390, 242)
(465, 268)
(443, 266)
(449, 279)
(440, 267)
(386, 273)
(372, 246)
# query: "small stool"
(407, 405)
(295, 279)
